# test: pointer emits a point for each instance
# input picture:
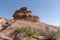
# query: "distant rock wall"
(25, 14)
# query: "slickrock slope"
(22, 17)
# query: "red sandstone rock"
(35, 18)
(25, 14)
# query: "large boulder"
(25, 14)
(35, 18)
(23, 9)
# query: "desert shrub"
(50, 34)
(24, 32)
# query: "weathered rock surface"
(25, 14)
(3, 23)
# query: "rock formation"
(3, 23)
(25, 14)
(9, 26)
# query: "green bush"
(26, 31)
(22, 32)
(50, 35)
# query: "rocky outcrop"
(3, 23)
(25, 14)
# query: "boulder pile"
(25, 14)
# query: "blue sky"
(47, 10)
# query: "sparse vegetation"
(50, 34)
(24, 32)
